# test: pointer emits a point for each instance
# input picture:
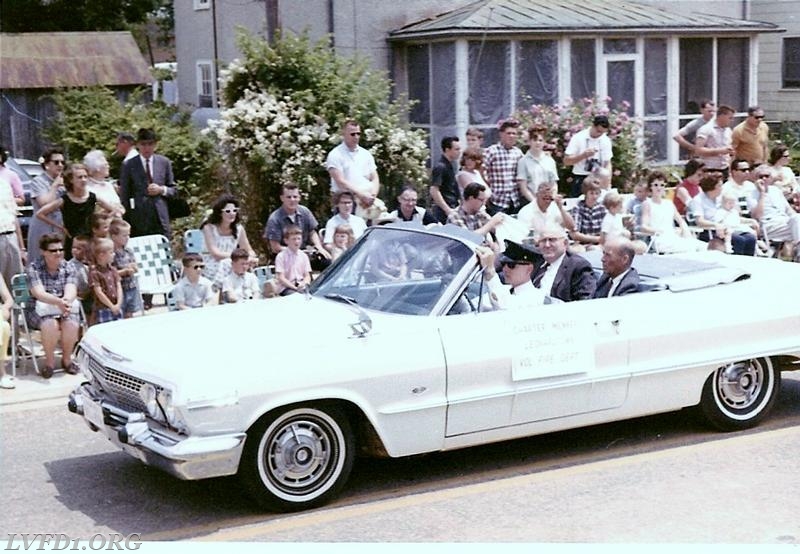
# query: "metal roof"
(50, 60)
(504, 17)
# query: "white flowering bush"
(284, 106)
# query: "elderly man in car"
(618, 278)
(564, 275)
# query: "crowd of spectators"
(736, 192)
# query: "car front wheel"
(739, 395)
(298, 459)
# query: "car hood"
(230, 348)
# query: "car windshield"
(394, 270)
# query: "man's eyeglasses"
(198, 266)
(58, 162)
(55, 250)
(355, 134)
(231, 210)
(759, 116)
(512, 265)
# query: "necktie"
(147, 170)
(537, 280)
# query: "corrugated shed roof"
(575, 16)
(50, 60)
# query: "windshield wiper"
(342, 298)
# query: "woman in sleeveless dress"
(661, 219)
(223, 233)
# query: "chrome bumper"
(184, 457)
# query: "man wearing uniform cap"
(517, 262)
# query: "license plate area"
(93, 412)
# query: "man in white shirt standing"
(352, 168)
(588, 150)
(714, 142)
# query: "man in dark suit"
(618, 278)
(567, 276)
(145, 182)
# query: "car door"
(512, 367)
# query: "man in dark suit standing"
(618, 278)
(145, 182)
(567, 276)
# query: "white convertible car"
(383, 360)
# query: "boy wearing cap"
(587, 151)
(517, 262)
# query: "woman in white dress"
(223, 233)
(660, 218)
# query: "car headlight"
(148, 395)
(82, 360)
(165, 400)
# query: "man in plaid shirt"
(500, 161)
(588, 215)
(471, 215)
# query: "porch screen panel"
(584, 83)
(537, 73)
(655, 140)
(655, 76)
(621, 83)
(443, 91)
(489, 86)
(696, 73)
(417, 59)
(733, 74)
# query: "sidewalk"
(33, 388)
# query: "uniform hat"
(601, 120)
(519, 253)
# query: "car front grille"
(123, 389)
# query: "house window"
(205, 84)
(202, 4)
(791, 62)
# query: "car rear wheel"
(739, 395)
(298, 459)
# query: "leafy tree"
(26, 16)
(284, 105)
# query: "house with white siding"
(470, 63)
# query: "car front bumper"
(184, 457)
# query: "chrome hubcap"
(740, 383)
(300, 455)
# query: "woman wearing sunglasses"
(223, 233)
(56, 309)
(45, 188)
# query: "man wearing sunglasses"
(517, 262)
(352, 168)
(750, 137)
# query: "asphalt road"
(661, 479)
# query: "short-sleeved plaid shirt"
(501, 172)
(54, 283)
(588, 220)
(472, 222)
